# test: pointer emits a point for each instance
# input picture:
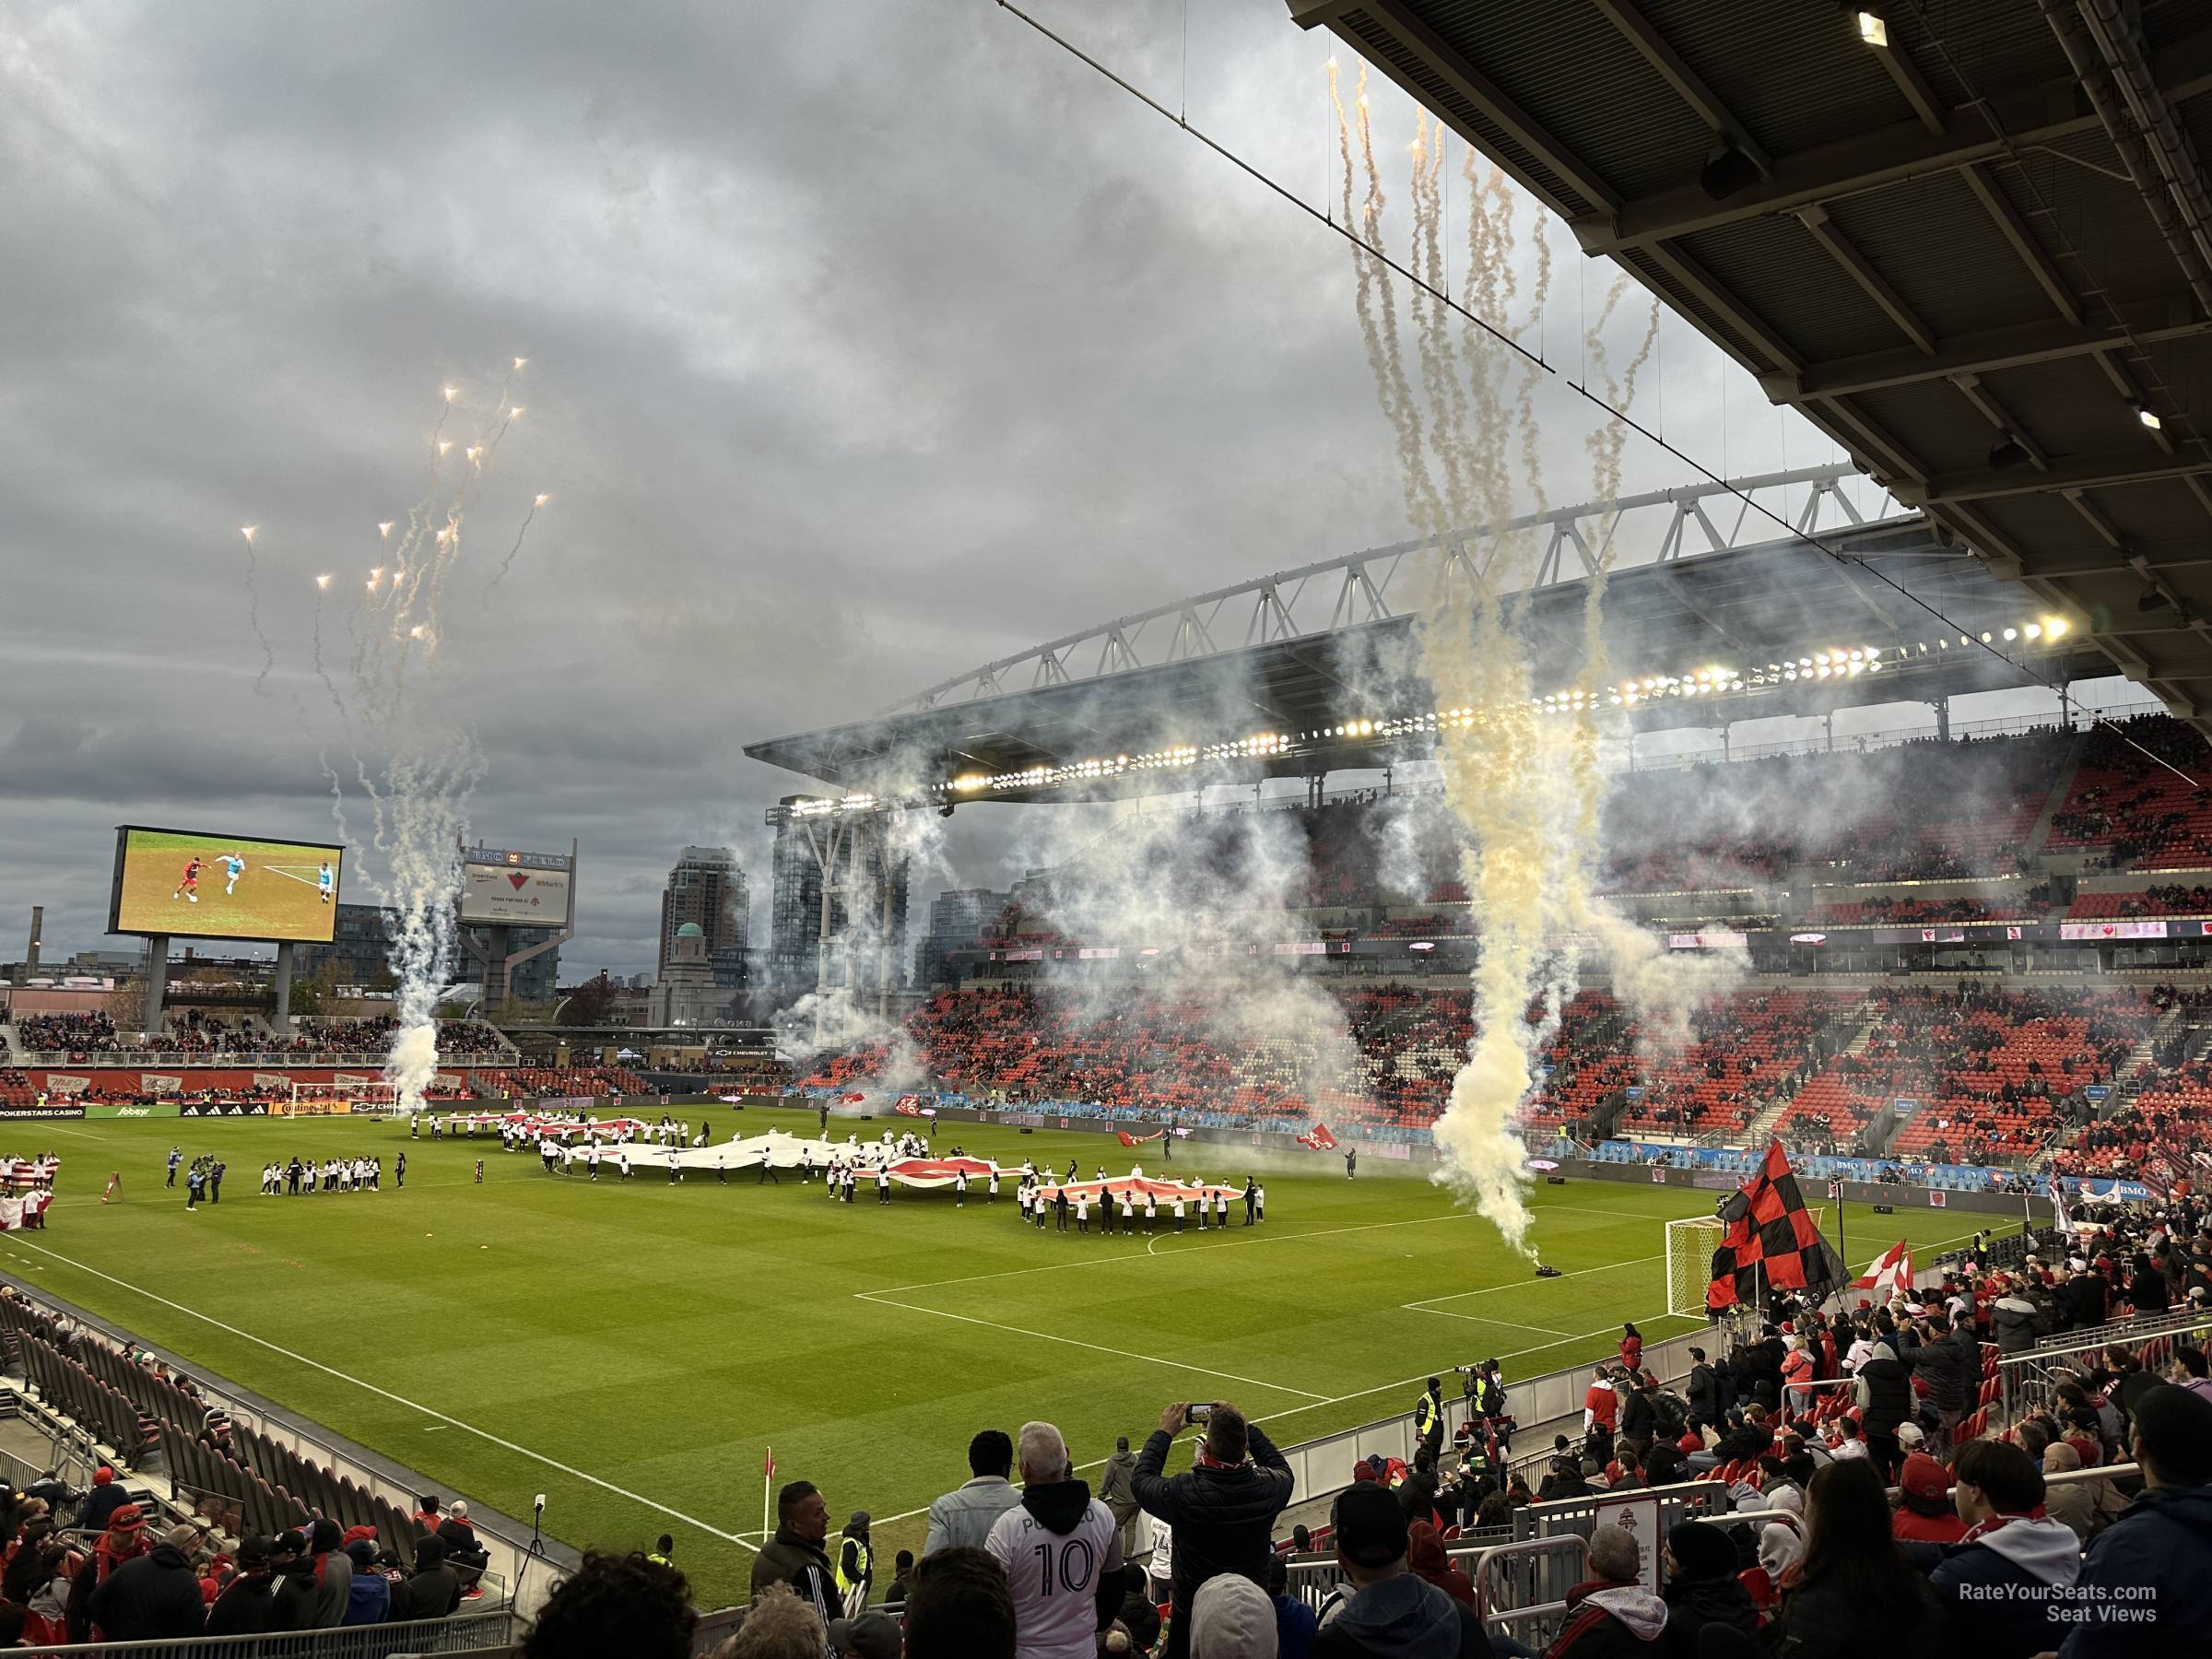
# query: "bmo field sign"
(500, 888)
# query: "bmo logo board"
(524, 889)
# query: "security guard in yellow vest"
(1428, 1417)
(663, 1553)
(854, 1569)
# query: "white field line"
(386, 1394)
(882, 1300)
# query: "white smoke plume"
(1515, 771)
(415, 766)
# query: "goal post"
(1689, 1246)
(332, 1099)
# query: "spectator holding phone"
(1222, 1510)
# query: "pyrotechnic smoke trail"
(507, 563)
(420, 790)
(268, 654)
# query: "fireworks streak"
(507, 563)
(269, 654)
(415, 768)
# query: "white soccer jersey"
(1054, 1577)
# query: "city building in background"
(708, 890)
(957, 916)
(359, 942)
(685, 994)
(866, 930)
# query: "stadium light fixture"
(1873, 28)
(2012, 633)
(451, 393)
(2056, 627)
(2149, 416)
(1727, 171)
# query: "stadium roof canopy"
(1973, 242)
(1118, 710)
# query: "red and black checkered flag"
(1770, 1228)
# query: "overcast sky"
(867, 342)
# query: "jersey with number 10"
(1055, 1576)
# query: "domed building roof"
(690, 929)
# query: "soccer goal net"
(358, 1100)
(1689, 1247)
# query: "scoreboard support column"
(280, 1018)
(157, 981)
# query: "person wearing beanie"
(1384, 1610)
(107, 1496)
(370, 1599)
(247, 1605)
(334, 1573)
(431, 1591)
(1923, 1514)
(2001, 1581)
(1702, 1587)
(1231, 1619)
(2162, 1543)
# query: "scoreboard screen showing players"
(224, 887)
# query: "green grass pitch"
(630, 1350)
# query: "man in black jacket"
(1884, 1394)
(107, 1496)
(433, 1590)
(252, 1604)
(1221, 1512)
(795, 1556)
(1950, 1360)
(155, 1597)
(1704, 1389)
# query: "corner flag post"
(768, 1481)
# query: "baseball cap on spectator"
(362, 1553)
(127, 1517)
(1232, 1619)
(1371, 1526)
(103, 1476)
(1911, 1436)
(355, 1534)
(871, 1636)
(254, 1551)
(1925, 1484)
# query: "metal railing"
(2029, 1379)
(1521, 1588)
(463, 1633)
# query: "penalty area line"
(881, 1299)
(386, 1394)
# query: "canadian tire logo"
(518, 880)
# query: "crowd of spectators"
(2171, 900)
(2136, 798)
(200, 1035)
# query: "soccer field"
(630, 1350)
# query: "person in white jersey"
(1062, 1554)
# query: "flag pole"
(768, 1478)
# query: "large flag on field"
(1318, 1140)
(1128, 1139)
(1770, 1235)
(1892, 1272)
